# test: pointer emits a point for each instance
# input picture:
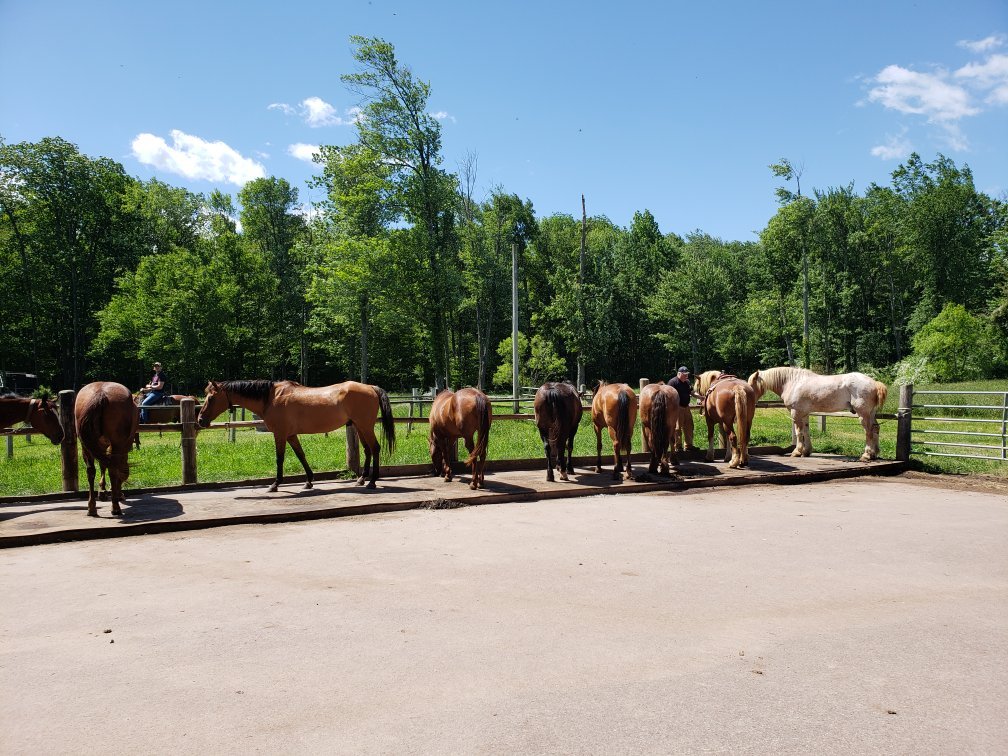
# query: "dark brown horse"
(558, 413)
(659, 413)
(464, 414)
(39, 413)
(107, 422)
(731, 403)
(614, 406)
(288, 409)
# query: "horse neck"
(775, 379)
(13, 411)
(250, 403)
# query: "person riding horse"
(155, 392)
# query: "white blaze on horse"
(803, 391)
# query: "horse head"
(758, 384)
(43, 417)
(217, 400)
(704, 380)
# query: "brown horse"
(614, 406)
(731, 403)
(558, 413)
(39, 413)
(107, 423)
(169, 410)
(287, 408)
(464, 414)
(659, 413)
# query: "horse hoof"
(563, 476)
(473, 486)
(272, 489)
(307, 486)
(92, 513)
(551, 479)
(103, 496)
(598, 469)
(371, 484)
(795, 453)
(865, 458)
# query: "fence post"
(352, 450)
(68, 449)
(644, 444)
(822, 423)
(187, 414)
(409, 425)
(10, 447)
(232, 416)
(904, 423)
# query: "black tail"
(388, 424)
(555, 404)
(479, 451)
(659, 426)
(624, 428)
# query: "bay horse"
(288, 409)
(169, 411)
(730, 402)
(39, 413)
(558, 413)
(107, 422)
(659, 414)
(614, 406)
(804, 391)
(464, 414)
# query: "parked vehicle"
(22, 384)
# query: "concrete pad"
(55, 518)
(863, 616)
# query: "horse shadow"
(5, 516)
(150, 509)
(301, 493)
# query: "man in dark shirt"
(681, 383)
(155, 392)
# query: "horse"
(288, 409)
(464, 414)
(169, 410)
(730, 402)
(107, 422)
(659, 414)
(803, 391)
(558, 413)
(39, 413)
(614, 406)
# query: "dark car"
(22, 384)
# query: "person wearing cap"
(155, 392)
(681, 383)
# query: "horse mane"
(775, 378)
(251, 389)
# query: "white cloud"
(316, 112)
(195, 158)
(991, 75)
(982, 45)
(927, 94)
(442, 115)
(303, 151)
(895, 148)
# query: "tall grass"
(35, 467)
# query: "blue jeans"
(153, 398)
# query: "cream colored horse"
(803, 391)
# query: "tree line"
(402, 275)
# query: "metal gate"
(981, 430)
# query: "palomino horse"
(558, 413)
(287, 408)
(614, 406)
(39, 413)
(107, 422)
(659, 414)
(731, 403)
(460, 414)
(803, 391)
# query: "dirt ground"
(864, 615)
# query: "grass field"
(35, 467)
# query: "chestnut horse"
(39, 413)
(287, 409)
(460, 414)
(107, 422)
(614, 406)
(803, 391)
(730, 402)
(659, 413)
(558, 413)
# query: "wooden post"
(232, 416)
(187, 414)
(352, 450)
(409, 425)
(644, 444)
(903, 423)
(822, 423)
(68, 449)
(10, 447)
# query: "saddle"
(713, 383)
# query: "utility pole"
(581, 278)
(514, 324)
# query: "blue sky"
(674, 107)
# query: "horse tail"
(881, 392)
(741, 416)
(659, 423)
(758, 384)
(483, 409)
(90, 432)
(557, 410)
(624, 428)
(387, 421)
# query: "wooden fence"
(417, 402)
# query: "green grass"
(35, 467)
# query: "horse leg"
(797, 422)
(598, 449)
(570, 451)
(371, 451)
(732, 443)
(871, 430)
(295, 444)
(806, 438)
(281, 447)
(726, 441)
(89, 466)
(549, 457)
(446, 444)
(103, 494)
(629, 469)
(117, 475)
(470, 444)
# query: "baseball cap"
(683, 369)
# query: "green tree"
(957, 345)
(538, 362)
